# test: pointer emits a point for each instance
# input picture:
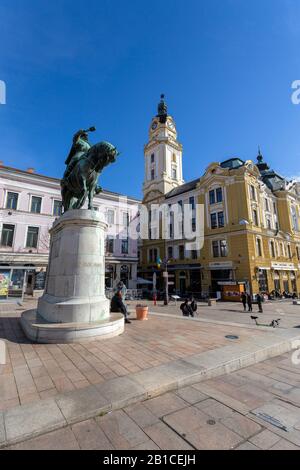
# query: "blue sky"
(225, 66)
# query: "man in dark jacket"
(244, 300)
(185, 308)
(117, 305)
(249, 302)
(259, 299)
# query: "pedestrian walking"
(244, 300)
(249, 302)
(193, 305)
(259, 299)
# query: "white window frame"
(38, 239)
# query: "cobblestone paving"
(36, 371)
(217, 414)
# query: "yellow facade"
(260, 269)
(251, 221)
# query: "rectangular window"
(181, 251)
(125, 246)
(110, 216)
(194, 254)
(150, 255)
(36, 204)
(212, 198)
(298, 252)
(272, 246)
(258, 246)
(289, 251)
(152, 157)
(12, 201)
(152, 174)
(57, 208)
(255, 217)
(252, 192)
(269, 223)
(219, 195)
(174, 173)
(192, 202)
(223, 248)
(109, 244)
(125, 219)
(193, 224)
(215, 247)
(274, 208)
(170, 252)
(220, 219)
(7, 235)
(266, 205)
(32, 237)
(213, 220)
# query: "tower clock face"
(154, 125)
(171, 125)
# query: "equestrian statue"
(84, 163)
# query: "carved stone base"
(41, 331)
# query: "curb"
(27, 421)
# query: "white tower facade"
(163, 156)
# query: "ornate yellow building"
(251, 221)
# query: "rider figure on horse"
(80, 146)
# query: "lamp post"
(166, 299)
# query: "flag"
(158, 261)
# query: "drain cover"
(231, 337)
(211, 422)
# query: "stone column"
(75, 285)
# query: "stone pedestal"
(74, 304)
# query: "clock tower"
(163, 156)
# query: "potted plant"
(141, 312)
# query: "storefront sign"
(283, 266)
(222, 265)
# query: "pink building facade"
(29, 203)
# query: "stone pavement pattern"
(220, 413)
(35, 371)
(233, 312)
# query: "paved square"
(36, 371)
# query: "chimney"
(30, 170)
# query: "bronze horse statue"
(82, 180)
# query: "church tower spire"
(163, 155)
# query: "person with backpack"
(185, 308)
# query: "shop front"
(221, 274)
(15, 281)
(262, 279)
(284, 277)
